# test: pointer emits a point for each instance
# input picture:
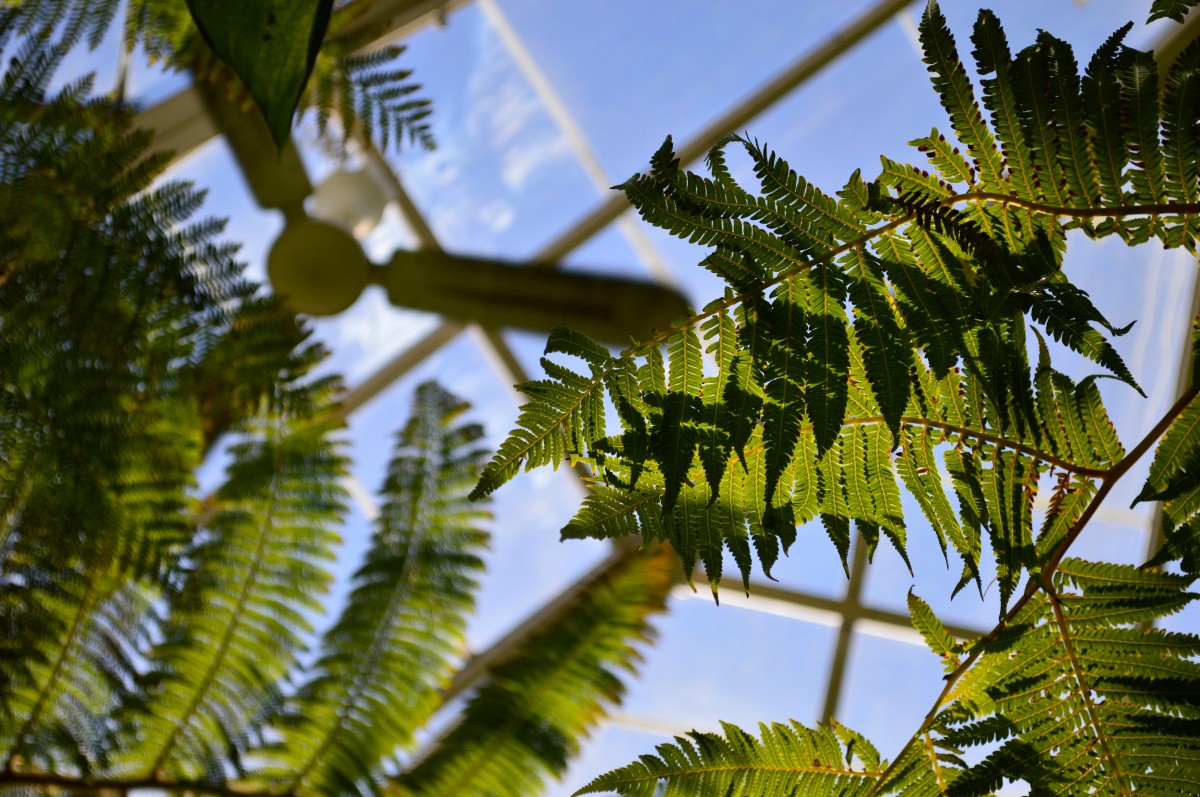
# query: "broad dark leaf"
(271, 45)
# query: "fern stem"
(933, 761)
(53, 780)
(1084, 691)
(1170, 208)
(1156, 209)
(43, 698)
(234, 621)
(1036, 585)
(997, 440)
(1114, 475)
(362, 678)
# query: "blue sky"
(504, 182)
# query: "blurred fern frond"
(153, 639)
(352, 81)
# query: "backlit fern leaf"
(999, 98)
(784, 759)
(1169, 9)
(937, 282)
(521, 726)
(954, 89)
(257, 565)
(383, 663)
(565, 416)
(1107, 713)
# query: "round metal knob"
(317, 267)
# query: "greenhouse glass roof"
(538, 108)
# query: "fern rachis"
(928, 377)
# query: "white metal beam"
(735, 118)
(576, 139)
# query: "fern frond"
(257, 565)
(565, 416)
(103, 291)
(785, 759)
(931, 629)
(943, 288)
(1169, 9)
(1082, 700)
(71, 20)
(382, 664)
(522, 725)
(1102, 115)
(999, 98)
(1181, 150)
(954, 89)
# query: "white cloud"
(498, 215)
(379, 331)
(392, 233)
(508, 116)
(524, 159)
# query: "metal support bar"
(180, 124)
(850, 608)
(478, 665)
(577, 140)
(1166, 50)
(400, 18)
(544, 617)
(737, 116)
(773, 599)
(397, 367)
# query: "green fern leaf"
(784, 388)
(1069, 121)
(972, 509)
(1100, 716)
(993, 58)
(608, 513)
(1071, 497)
(1181, 150)
(566, 414)
(825, 391)
(1038, 106)
(259, 564)
(918, 469)
(527, 720)
(1176, 455)
(954, 88)
(923, 303)
(673, 442)
(886, 352)
(931, 629)
(817, 212)
(916, 186)
(1102, 112)
(946, 158)
(786, 759)
(835, 510)
(1009, 486)
(1063, 311)
(743, 405)
(404, 623)
(1138, 77)
(1169, 9)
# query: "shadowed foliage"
(896, 338)
(153, 638)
